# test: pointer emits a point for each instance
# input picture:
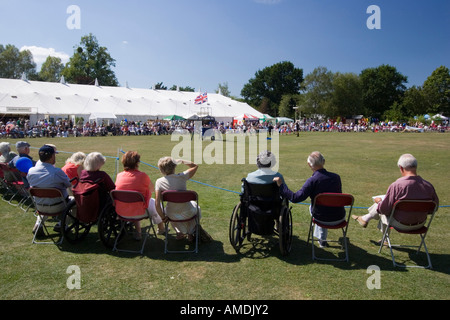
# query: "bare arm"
(158, 205)
(192, 167)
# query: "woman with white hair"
(173, 181)
(92, 164)
(74, 166)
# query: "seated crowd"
(22, 128)
(87, 168)
(43, 173)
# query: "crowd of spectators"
(22, 128)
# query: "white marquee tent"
(40, 100)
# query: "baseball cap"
(46, 150)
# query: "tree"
(90, 61)
(160, 86)
(288, 103)
(13, 63)
(381, 87)
(185, 89)
(223, 89)
(272, 83)
(395, 113)
(414, 102)
(346, 98)
(437, 91)
(51, 69)
(318, 91)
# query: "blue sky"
(200, 43)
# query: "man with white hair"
(265, 161)
(5, 152)
(409, 186)
(321, 181)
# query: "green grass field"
(367, 165)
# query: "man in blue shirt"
(264, 175)
(45, 175)
(321, 181)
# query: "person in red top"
(91, 173)
(132, 179)
(74, 165)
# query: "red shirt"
(134, 180)
(72, 171)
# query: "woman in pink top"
(132, 179)
(74, 165)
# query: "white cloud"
(40, 54)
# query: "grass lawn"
(367, 165)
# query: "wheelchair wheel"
(238, 228)
(73, 229)
(108, 226)
(285, 230)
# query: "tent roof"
(35, 97)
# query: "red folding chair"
(335, 200)
(130, 206)
(181, 197)
(48, 211)
(15, 185)
(410, 213)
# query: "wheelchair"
(261, 211)
(91, 205)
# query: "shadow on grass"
(262, 248)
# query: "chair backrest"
(410, 212)
(12, 175)
(48, 193)
(334, 200)
(262, 205)
(261, 190)
(179, 196)
(331, 206)
(128, 203)
(87, 198)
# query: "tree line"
(277, 90)
(379, 93)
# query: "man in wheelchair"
(261, 210)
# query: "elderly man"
(5, 152)
(46, 175)
(23, 148)
(409, 186)
(321, 181)
(5, 157)
(264, 175)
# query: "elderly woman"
(172, 181)
(132, 179)
(74, 166)
(92, 165)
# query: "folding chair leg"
(144, 239)
(44, 227)
(391, 246)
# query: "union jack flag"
(202, 98)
